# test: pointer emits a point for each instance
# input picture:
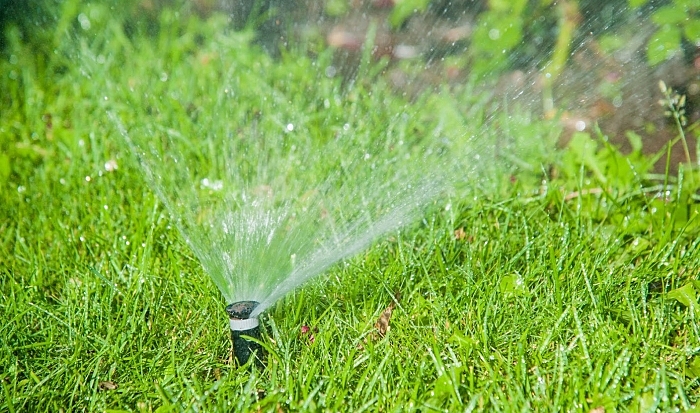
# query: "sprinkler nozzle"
(243, 325)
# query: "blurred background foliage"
(494, 34)
(586, 61)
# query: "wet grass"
(570, 289)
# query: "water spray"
(243, 326)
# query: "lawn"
(523, 276)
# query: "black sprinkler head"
(242, 325)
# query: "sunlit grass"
(514, 294)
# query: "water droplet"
(84, 21)
(216, 185)
(163, 77)
(494, 34)
(111, 165)
(21, 188)
(106, 207)
(403, 51)
(290, 127)
(87, 178)
(580, 125)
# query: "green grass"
(549, 301)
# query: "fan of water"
(273, 177)
(265, 213)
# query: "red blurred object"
(383, 4)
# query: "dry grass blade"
(107, 385)
(382, 323)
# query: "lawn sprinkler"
(242, 327)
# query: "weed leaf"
(686, 295)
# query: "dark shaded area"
(272, 19)
(28, 15)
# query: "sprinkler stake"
(242, 325)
